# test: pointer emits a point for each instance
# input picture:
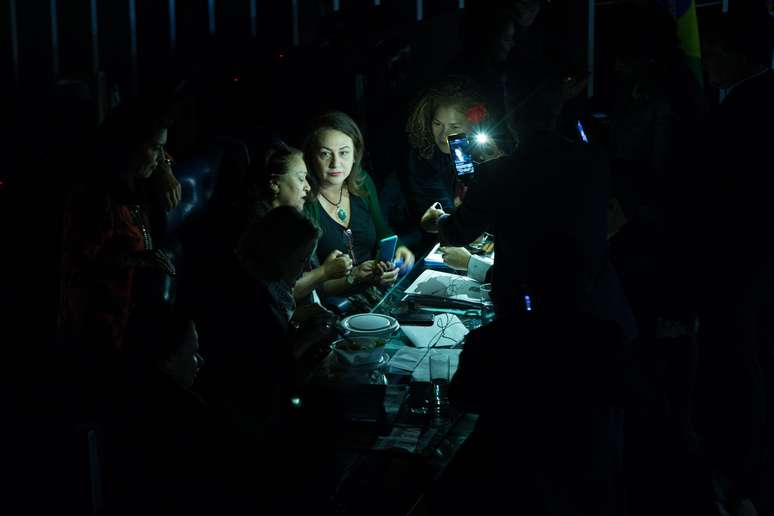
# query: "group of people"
(304, 232)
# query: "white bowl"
(359, 351)
(369, 325)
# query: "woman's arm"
(336, 266)
(367, 273)
(308, 282)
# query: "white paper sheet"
(416, 361)
(447, 330)
(444, 284)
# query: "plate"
(370, 325)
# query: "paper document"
(446, 331)
(416, 360)
(444, 284)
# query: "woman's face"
(335, 157)
(184, 365)
(148, 156)
(448, 120)
(292, 187)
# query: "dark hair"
(454, 91)
(155, 332)
(273, 237)
(337, 121)
(127, 129)
(276, 158)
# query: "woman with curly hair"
(429, 175)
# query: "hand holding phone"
(460, 153)
(387, 247)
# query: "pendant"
(341, 214)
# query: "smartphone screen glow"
(460, 152)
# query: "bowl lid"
(369, 323)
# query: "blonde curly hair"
(452, 92)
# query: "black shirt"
(334, 236)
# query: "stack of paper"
(434, 258)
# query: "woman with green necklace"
(345, 205)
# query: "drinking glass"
(439, 381)
(487, 308)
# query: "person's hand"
(389, 273)
(455, 257)
(337, 265)
(431, 217)
(367, 272)
(404, 255)
(154, 259)
(165, 186)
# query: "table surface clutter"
(396, 432)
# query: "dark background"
(65, 63)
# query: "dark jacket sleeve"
(470, 384)
(477, 213)
(426, 186)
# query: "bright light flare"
(482, 138)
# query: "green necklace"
(341, 213)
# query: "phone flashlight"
(481, 138)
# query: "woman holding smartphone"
(429, 175)
(345, 205)
(281, 179)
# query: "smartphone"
(387, 248)
(460, 153)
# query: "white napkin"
(416, 361)
(447, 330)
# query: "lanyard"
(350, 244)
